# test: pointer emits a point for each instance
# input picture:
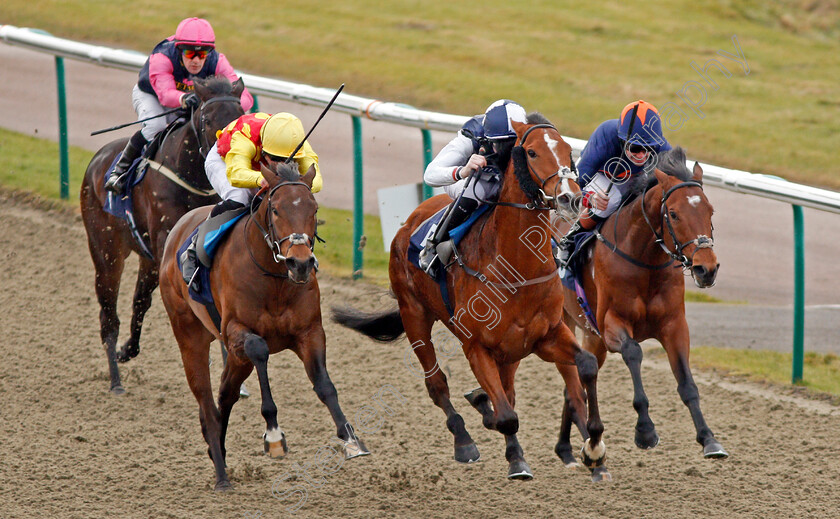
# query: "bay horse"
(264, 287)
(634, 284)
(507, 300)
(158, 202)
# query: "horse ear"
(698, 172)
(309, 177)
(238, 88)
(201, 89)
(270, 175)
(661, 177)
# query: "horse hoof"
(714, 450)
(127, 353)
(520, 470)
(564, 452)
(274, 443)
(223, 486)
(477, 397)
(354, 448)
(647, 441)
(467, 453)
(243, 391)
(118, 390)
(600, 474)
(593, 457)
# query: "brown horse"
(507, 300)
(634, 283)
(158, 203)
(268, 300)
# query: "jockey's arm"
(238, 160)
(223, 68)
(443, 170)
(163, 82)
(309, 158)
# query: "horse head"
(220, 104)
(686, 214)
(290, 218)
(542, 163)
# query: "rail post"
(358, 197)
(427, 157)
(798, 293)
(63, 149)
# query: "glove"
(190, 101)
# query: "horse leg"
(631, 352)
(517, 466)
(234, 374)
(583, 384)
(256, 349)
(147, 281)
(675, 340)
(194, 342)
(108, 253)
(418, 330)
(574, 411)
(312, 351)
(503, 418)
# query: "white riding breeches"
(216, 170)
(147, 105)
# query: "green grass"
(821, 373)
(577, 62)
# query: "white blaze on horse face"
(693, 200)
(552, 145)
(296, 202)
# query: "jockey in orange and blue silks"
(166, 81)
(618, 151)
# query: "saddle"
(572, 275)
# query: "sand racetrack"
(71, 449)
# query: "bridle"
(200, 133)
(543, 202)
(270, 235)
(700, 242)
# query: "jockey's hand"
(475, 163)
(263, 182)
(597, 200)
(190, 100)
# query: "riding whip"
(291, 157)
(173, 110)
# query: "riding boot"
(462, 210)
(567, 245)
(116, 182)
(189, 259)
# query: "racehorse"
(268, 300)
(634, 284)
(507, 300)
(158, 202)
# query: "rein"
(270, 236)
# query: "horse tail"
(384, 326)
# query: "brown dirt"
(71, 449)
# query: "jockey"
(233, 163)
(618, 151)
(166, 81)
(483, 144)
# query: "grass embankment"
(577, 62)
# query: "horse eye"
(274, 211)
(673, 215)
(532, 153)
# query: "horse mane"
(671, 162)
(287, 172)
(217, 85)
(520, 163)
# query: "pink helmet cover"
(195, 31)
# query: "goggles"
(638, 148)
(193, 53)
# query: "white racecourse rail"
(734, 180)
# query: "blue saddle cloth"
(212, 240)
(572, 276)
(417, 241)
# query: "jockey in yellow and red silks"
(166, 81)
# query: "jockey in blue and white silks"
(483, 147)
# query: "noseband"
(270, 235)
(700, 242)
(203, 145)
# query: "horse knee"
(631, 352)
(508, 425)
(587, 366)
(256, 349)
